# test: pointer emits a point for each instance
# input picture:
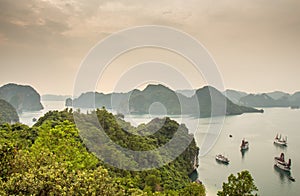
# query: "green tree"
(243, 184)
(56, 179)
(153, 182)
(193, 189)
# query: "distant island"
(139, 102)
(271, 99)
(8, 113)
(22, 98)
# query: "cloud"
(80, 19)
(31, 22)
(58, 33)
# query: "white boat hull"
(282, 167)
(280, 143)
(222, 159)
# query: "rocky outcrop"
(22, 98)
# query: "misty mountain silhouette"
(21, 97)
(206, 101)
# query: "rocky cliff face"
(22, 98)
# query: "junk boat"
(222, 159)
(281, 164)
(280, 140)
(244, 145)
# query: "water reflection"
(285, 176)
(279, 146)
(222, 163)
(243, 152)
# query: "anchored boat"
(222, 159)
(280, 140)
(244, 145)
(282, 164)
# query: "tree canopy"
(8, 113)
(243, 184)
(50, 158)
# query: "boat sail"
(244, 145)
(280, 140)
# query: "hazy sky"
(255, 43)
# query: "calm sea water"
(27, 117)
(258, 129)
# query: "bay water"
(259, 129)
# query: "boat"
(280, 140)
(282, 164)
(244, 145)
(222, 159)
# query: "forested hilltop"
(51, 159)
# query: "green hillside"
(8, 113)
(51, 159)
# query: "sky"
(255, 44)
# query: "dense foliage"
(243, 184)
(51, 159)
(7, 113)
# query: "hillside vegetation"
(51, 159)
(8, 113)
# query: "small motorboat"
(282, 164)
(244, 145)
(280, 140)
(222, 159)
